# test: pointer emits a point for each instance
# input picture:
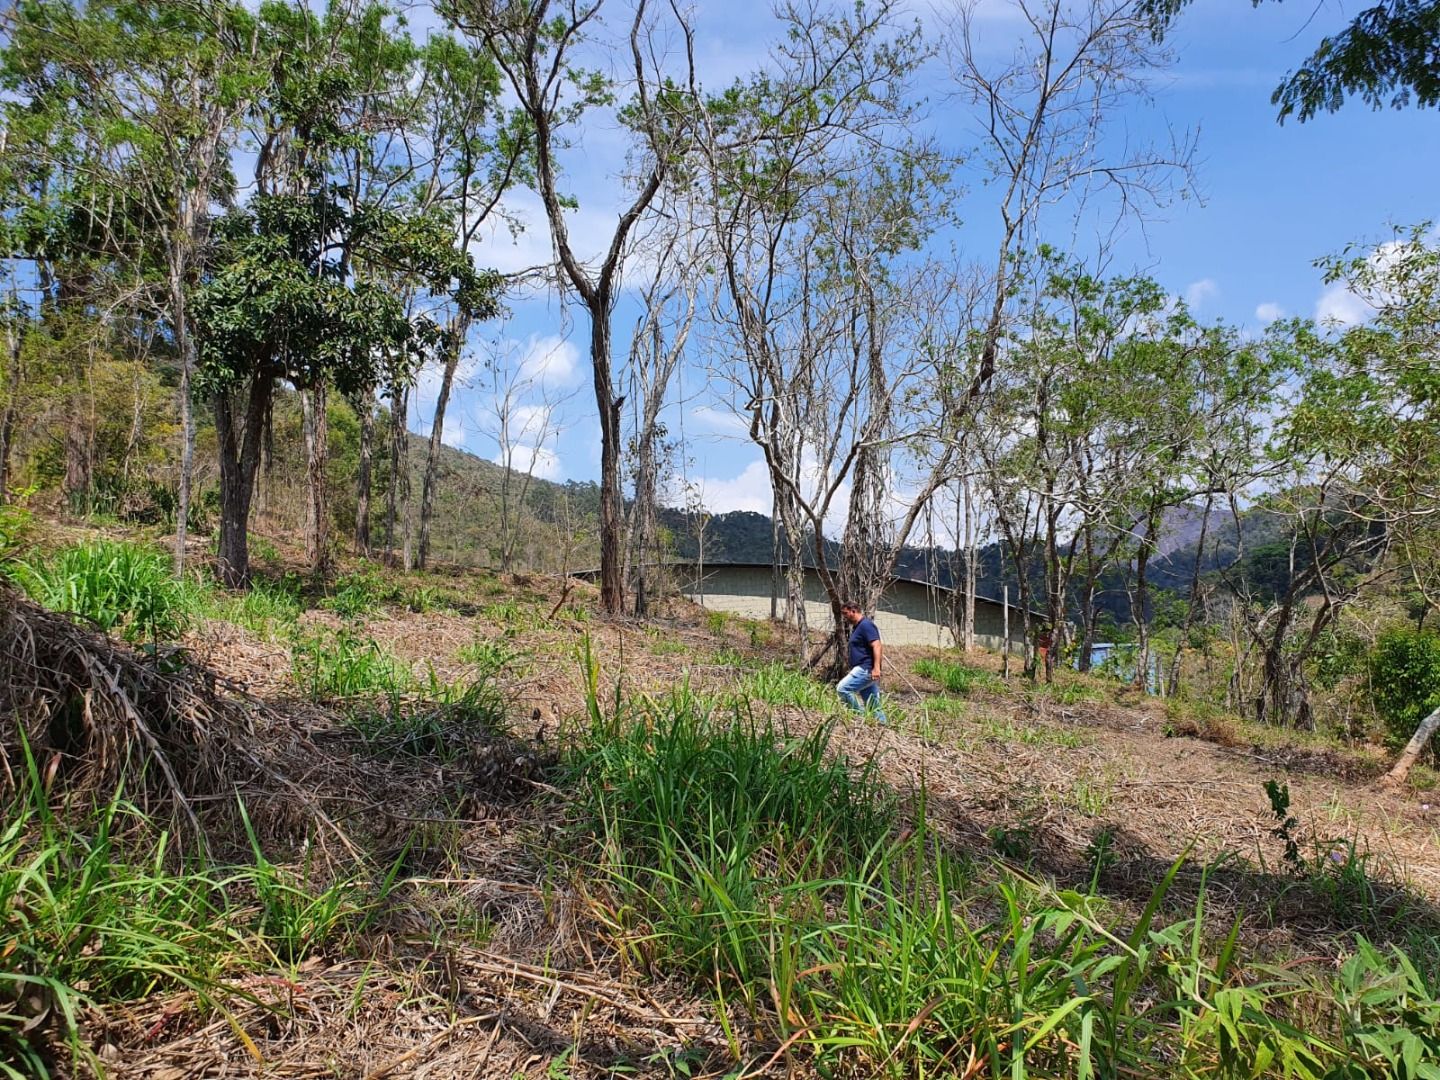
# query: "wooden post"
(1005, 601)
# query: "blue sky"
(1272, 199)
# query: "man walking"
(865, 654)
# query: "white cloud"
(590, 228)
(1268, 312)
(1338, 304)
(427, 394)
(1198, 293)
(549, 360)
(543, 463)
(719, 495)
(720, 421)
(531, 423)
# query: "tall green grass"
(780, 879)
(358, 594)
(268, 608)
(394, 711)
(117, 585)
(346, 664)
(955, 678)
(776, 684)
(95, 907)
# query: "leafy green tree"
(1356, 460)
(1404, 670)
(1387, 55)
(136, 103)
(302, 286)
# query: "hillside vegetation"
(412, 824)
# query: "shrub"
(1404, 670)
(118, 586)
(15, 525)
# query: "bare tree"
(661, 335)
(537, 43)
(807, 231)
(12, 317)
(1045, 114)
(522, 418)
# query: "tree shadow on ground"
(1319, 903)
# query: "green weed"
(422, 599)
(357, 594)
(1069, 692)
(264, 549)
(955, 678)
(491, 655)
(346, 665)
(513, 617)
(15, 528)
(1007, 731)
(267, 608)
(776, 684)
(119, 586)
(439, 720)
(1092, 795)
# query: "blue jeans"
(860, 691)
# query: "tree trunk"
(643, 519)
(1189, 619)
(312, 404)
(777, 575)
(77, 462)
(437, 429)
(239, 465)
(1005, 629)
(1400, 771)
(366, 408)
(14, 341)
(968, 643)
(612, 549)
(185, 346)
(1142, 596)
(398, 492)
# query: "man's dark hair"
(850, 605)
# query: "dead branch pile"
(97, 714)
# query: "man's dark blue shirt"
(862, 636)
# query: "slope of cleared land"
(482, 936)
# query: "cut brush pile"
(97, 713)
